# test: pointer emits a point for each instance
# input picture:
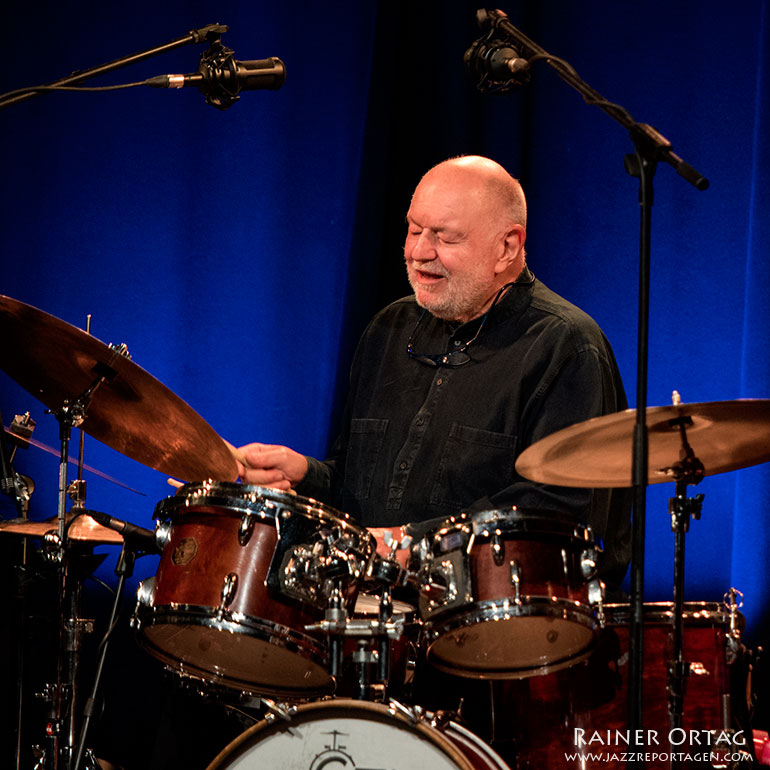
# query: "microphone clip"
(493, 63)
(218, 68)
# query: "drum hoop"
(531, 606)
(517, 522)
(694, 613)
(233, 622)
(247, 498)
(381, 712)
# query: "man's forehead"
(448, 206)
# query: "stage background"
(240, 253)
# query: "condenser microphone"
(221, 78)
(495, 65)
(254, 75)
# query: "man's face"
(453, 243)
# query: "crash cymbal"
(83, 528)
(724, 436)
(130, 411)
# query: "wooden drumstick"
(237, 454)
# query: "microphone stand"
(124, 570)
(210, 33)
(650, 148)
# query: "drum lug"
(588, 564)
(245, 528)
(498, 550)
(596, 598)
(145, 594)
(516, 580)
(163, 534)
(145, 597)
(229, 589)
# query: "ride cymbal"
(724, 436)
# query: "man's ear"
(514, 246)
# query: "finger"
(263, 477)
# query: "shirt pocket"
(475, 463)
(367, 436)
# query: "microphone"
(139, 537)
(496, 66)
(220, 77)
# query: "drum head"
(347, 734)
(496, 643)
(250, 662)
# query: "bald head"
(487, 179)
(467, 228)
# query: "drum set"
(278, 600)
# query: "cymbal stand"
(688, 471)
(61, 731)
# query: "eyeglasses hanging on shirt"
(453, 358)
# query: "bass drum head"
(354, 734)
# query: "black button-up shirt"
(422, 442)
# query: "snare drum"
(348, 734)
(243, 571)
(507, 593)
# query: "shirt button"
(456, 343)
(439, 381)
(403, 465)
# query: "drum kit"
(271, 597)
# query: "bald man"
(449, 385)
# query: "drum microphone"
(496, 66)
(139, 537)
(220, 77)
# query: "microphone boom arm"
(641, 133)
(209, 33)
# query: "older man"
(450, 385)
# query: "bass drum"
(355, 734)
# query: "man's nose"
(424, 248)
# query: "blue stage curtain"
(240, 253)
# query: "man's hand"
(270, 465)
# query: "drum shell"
(584, 709)
(197, 580)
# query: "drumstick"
(237, 454)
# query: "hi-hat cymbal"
(130, 411)
(724, 436)
(83, 528)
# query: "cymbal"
(83, 528)
(130, 411)
(724, 436)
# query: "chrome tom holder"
(372, 657)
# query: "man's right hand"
(270, 465)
